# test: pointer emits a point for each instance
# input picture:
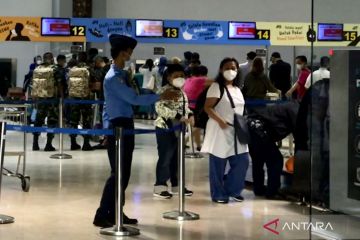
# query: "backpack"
(201, 116)
(79, 82)
(43, 82)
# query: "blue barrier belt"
(99, 132)
(76, 101)
(51, 101)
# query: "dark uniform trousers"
(107, 204)
(51, 111)
(264, 151)
(80, 111)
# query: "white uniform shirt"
(317, 76)
(220, 142)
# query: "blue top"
(119, 97)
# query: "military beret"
(117, 40)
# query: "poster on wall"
(29, 29)
(99, 30)
(354, 127)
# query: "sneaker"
(175, 191)
(238, 198)
(163, 195)
(221, 201)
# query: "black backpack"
(201, 116)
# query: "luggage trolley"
(16, 115)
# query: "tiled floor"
(65, 194)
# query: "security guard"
(119, 99)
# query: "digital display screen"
(242, 30)
(55, 27)
(149, 28)
(330, 32)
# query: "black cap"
(117, 40)
(276, 55)
(171, 68)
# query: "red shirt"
(301, 82)
(193, 88)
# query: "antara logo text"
(275, 227)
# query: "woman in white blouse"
(149, 72)
(219, 139)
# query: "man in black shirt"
(280, 74)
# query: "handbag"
(151, 83)
(240, 124)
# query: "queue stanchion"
(192, 154)
(61, 155)
(119, 229)
(181, 214)
(4, 219)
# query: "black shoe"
(221, 201)
(163, 195)
(49, 148)
(175, 191)
(276, 197)
(128, 220)
(35, 147)
(99, 146)
(75, 146)
(87, 147)
(238, 198)
(102, 222)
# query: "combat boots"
(49, 147)
(36, 142)
(74, 145)
(86, 145)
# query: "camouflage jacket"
(170, 112)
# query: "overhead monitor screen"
(330, 32)
(55, 27)
(149, 28)
(242, 30)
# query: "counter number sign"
(171, 32)
(262, 34)
(78, 30)
(350, 35)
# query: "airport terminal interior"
(163, 120)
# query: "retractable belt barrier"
(52, 101)
(99, 132)
(77, 101)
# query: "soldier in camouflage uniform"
(82, 111)
(46, 110)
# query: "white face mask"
(298, 66)
(38, 62)
(178, 82)
(230, 75)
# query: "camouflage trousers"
(49, 111)
(81, 112)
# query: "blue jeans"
(234, 183)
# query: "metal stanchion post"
(181, 214)
(61, 155)
(193, 154)
(3, 218)
(119, 229)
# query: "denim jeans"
(234, 183)
(167, 165)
